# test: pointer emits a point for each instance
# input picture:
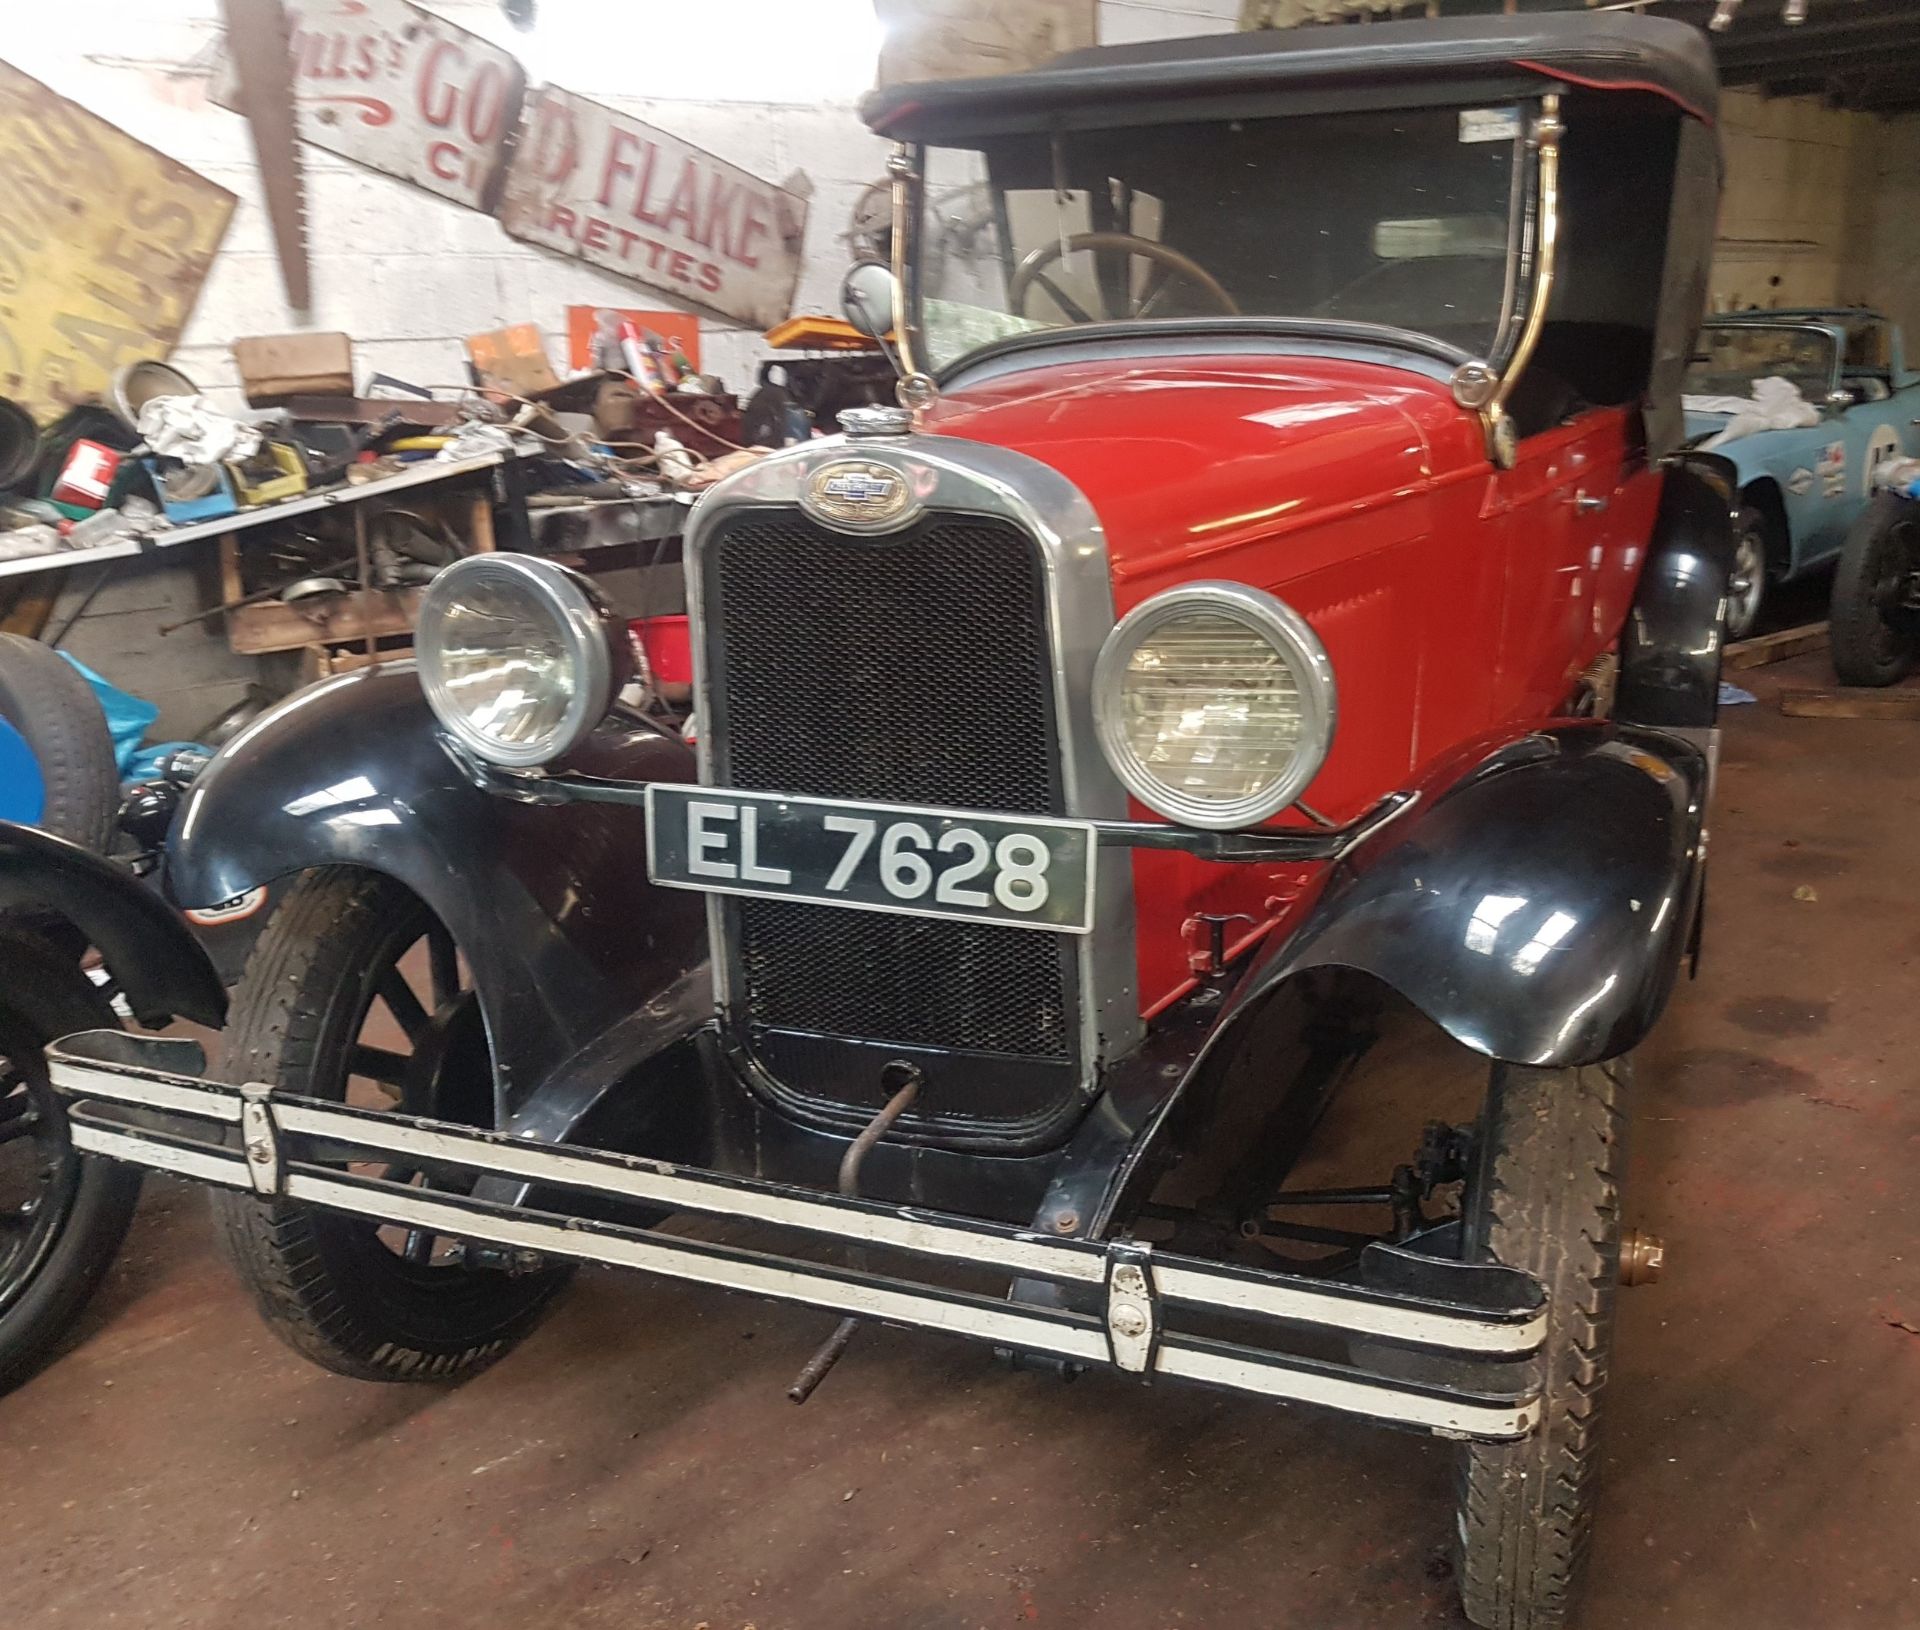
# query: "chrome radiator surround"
(945, 476)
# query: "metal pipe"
(830, 1352)
(876, 1129)
(1548, 130)
(900, 169)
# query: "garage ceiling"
(1859, 54)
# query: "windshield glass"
(1731, 356)
(1399, 217)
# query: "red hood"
(1184, 457)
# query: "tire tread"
(315, 943)
(1552, 1207)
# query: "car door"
(1576, 504)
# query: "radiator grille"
(913, 669)
(912, 980)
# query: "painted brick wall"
(406, 273)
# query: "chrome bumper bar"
(141, 1100)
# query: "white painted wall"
(408, 274)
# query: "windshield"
(1404, 218)
(1731, 356)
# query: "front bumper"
(1468, 1333)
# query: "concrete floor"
(637, 1464)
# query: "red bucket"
(668, 642)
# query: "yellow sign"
(104, 244)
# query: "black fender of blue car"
(58, 886)
(580, 963)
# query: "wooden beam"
(1851, 704)
(1789, 642)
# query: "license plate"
(1026, 871)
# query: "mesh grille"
(915, 981)
(914, 669)
(910, 671)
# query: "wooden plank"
(482, 540)
(270, 626)
(1789, 642)
(1851, 704)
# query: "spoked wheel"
(1876, 594)
(62, 1217)
(356, 993)
(1747, 586)
(1123, 296)
(1542, 1194)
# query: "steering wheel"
(1170, 267)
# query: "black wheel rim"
(1893, 591)
(39, 1171)
(418, 1045)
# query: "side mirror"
(870, 298)
(1838, 401)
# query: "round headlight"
(518, 657)
(1214, 704)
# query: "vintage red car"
(1279, 587)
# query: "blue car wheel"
(23, 792)
(1747, 587)
(55, 713)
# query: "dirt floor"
(636, 1463)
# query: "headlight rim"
(1287, 631)
(587, 628)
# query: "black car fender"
(1537, 908)
(52, 884)
(580, 963)
(1670, 647)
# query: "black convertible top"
(1316, 68)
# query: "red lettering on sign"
(595, 236)
(443, 159)
(680, 266)
(685, 201)
(752, 224)
(710, 277)
(616, 165)
(640, 198)
(561, 220)
(719, 218)
(486, 103)
(439, 101)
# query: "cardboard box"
(276, 366)
(512, 359)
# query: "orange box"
(512, 359)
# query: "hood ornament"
(859, 495)
(866, 422)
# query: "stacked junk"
(637, 429)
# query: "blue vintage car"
(1801, 488)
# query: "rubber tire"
(324, 1285)
(43, 698)
(1854, 619)
(47, 997)
(1750, 517)
(1544, 1196)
